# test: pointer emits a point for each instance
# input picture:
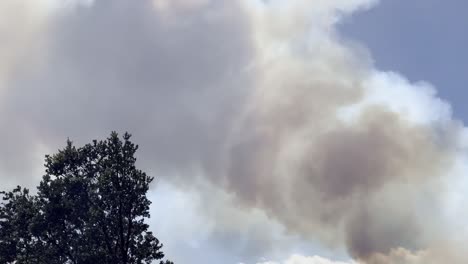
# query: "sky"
(279, 132)
(424, 40)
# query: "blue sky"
(422, 39)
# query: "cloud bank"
(298, 259)
(261, 105)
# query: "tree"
(16, 241)
(90, 207)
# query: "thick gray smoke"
(370, 179)
(121, 65)
(261, 100)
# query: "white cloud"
(168, 5)
(299, 259)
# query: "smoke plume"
(263, 101)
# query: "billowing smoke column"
(320, 152)
(262, 99)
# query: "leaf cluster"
(90, 207)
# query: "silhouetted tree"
(90, 207)
(17, 243)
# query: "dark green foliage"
(17, 243)
(90, 207)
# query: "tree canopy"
(90, 207)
